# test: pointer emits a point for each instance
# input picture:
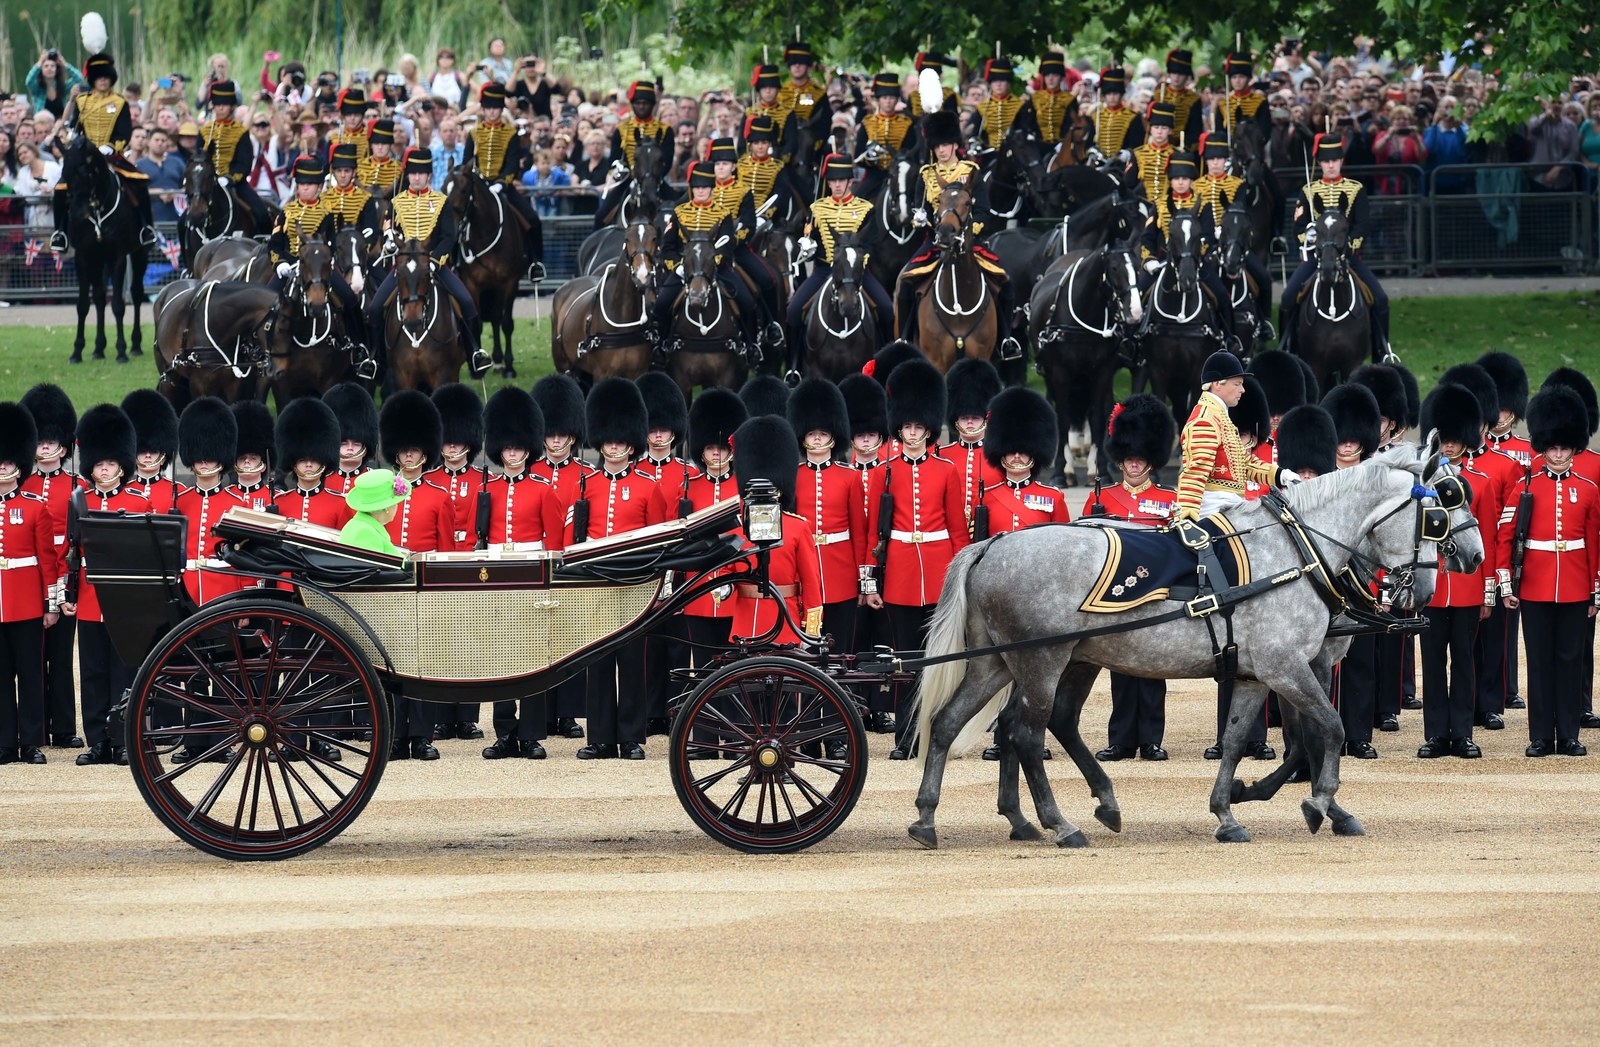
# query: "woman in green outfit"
(375, 497)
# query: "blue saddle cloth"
(1143, 565)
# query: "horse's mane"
(1367, 478)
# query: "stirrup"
(773, 335)
(367, 370)
(536, 272)
(479, 363)
(1265, 332)
(147, 235)
(58, 242)
(791, 378)
(1010, 348)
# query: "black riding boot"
(478, 361)
(1380, 336)
(905, 307)
(147, 219)
(1006, 347)
(1288, 320)
(376, 347)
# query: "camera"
(165, 83)
(298, 79)
(394, 80)
(361, 76)
(426, 105)
(53, 55)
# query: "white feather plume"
(930, 91)
(93, 30)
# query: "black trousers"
(615, 702)
(839, 622)
(1553, 634)
(413, 719)
(708, 632)
(795, 317)
(872, 631)
(1586, 673)
(1495, 660)
(60, 692)
(672, 286)
(1449, 678)
(530, 724)
(1393, 673)
(449, 714)
(664, 650)
(1138, 711)
(22, 683)
(908, 629)
(102, 677)
(1513, 626)
(1355, 689)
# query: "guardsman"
(1333, 190)
(1497, 637)
(765, 394)
(970, 385)
(827, 496)
(461, 441)
(232, 150)
(999, 111)
(923, 525)
(1216, 466)
(731, 193)
(1511, 383)
(1150, 159)
(306, 440)
(501, 155)
(891, 131)
(379, 169)
(1139, 442)
(1116, 126)
(155, 431)
(30, 566)
(638, 124)
(1051, 110)
(103, 117)
(252, 463)
(106, 448)
(764, 81)
(840, 211)
(802, 95)
(1178, 91)
(868, 409)
(616, 500)
(1243, 101)
(1019, 445)
(713, 418)
(358, 434)
(1284, 384)
(763, 174)
(1556, 584)
(702, 214)
(55, 421)
(347, 200)
(667, 421)
(1307, 441)
(933, 63)
(764, 449)
(352, 123)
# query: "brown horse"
(488, 254)
(304, 333)
(956, 312)
(1074, 148)
(598, 323)
(233, 258)
(703, 343)
(206, 341)
(212, 213)
(420, 329)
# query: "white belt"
(830, 539)
(1565, 545)
(918, 537)
(522, 547)
(18, 561)
(209, 563)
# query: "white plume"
(930, 91)
(93, 30)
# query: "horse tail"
(947, 634)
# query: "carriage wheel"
(252, 692)
(768, 755)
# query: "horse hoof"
(75, 358)
(1236, 794)
(509, 372)
(1074, 839)
(135, 351)
(1109, 817)
(1027, 831)
(926, 835)
(1348, 826)
(1232, 834)
(123, 359)
(1314, 817)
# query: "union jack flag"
(170, 248)
(31, 249)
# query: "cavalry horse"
(1335, 332)
(206, 340)
(1181, 324)
(421, 331)
(841, 333)
(212, 213)
(1295, 544)
(488, 254)
(1018, 179)
(103, 228)
(703, 342)
(642, 204)
(233, 258)
(1257, 195)
(957, 312)
(1233, 246)
(303, 333)
(892, 207)
(599, 324)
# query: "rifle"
(1098, 508)
(580, 509)
(75, 505)
(685, 505)
(481, 524)
(1519, 537)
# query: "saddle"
(1144, 565)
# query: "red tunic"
(25, 535)
(317, 506)
(793, 569)
(257, 496)
(566, 477)
(1148, 503)
(1563, 556)
(975, 473)
(426, 521)
(1467, 590)
(928, 528)
(704, 492)
(161, 492)
(524, 513)
(672, 475)
(55, 490)
(129, 499)
(203, 509)
(1513, 445)
(340, 482)
(461, 486)
(1506, 472)
(619, 503)
(828, 497)
(1013, 506)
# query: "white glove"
(495, 188)
(105, 150)
(919, 217)
(808, 247)
(1287, 478)
(284, 269)
(357, 281)
(1152, 265)
(1311, 235)
(763, 223)
(619, 169)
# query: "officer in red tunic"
(461, 421)
(252, 470)
(923, 525)
(106, 449)
(827, 495)
(762, 450)
(1139, 442)
(1585, 463)
(1558, 579)
(307, 436)
(29, 568)
(668, 424)
(1496, 647)
(155, 428)
(868, 409)
(618, 500)
(969, 386)
(713, 417)
(56, 422)
(358, 434)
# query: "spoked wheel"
(234, 721)
(768, 755)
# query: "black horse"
(1183, 325)
(103, 228)
(1019, 179)
(212, 212)
(1334, 331)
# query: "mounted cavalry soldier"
(1150, 158)
(1218, 188)
(232, 150)
(761, 172)
(801, 95)
(731, 193)
(933, 63)
(1243, 101)
(308, 217)
(765, 82)
(1116, 127)
(999, 111)
(352, 123)
(1178, 91)
(1050, 110)
(102, 116)
(379, 169)
(349, 202)
(500, 154)
(1180, 198)
(884, 134)
(640, 124)
(702, 214)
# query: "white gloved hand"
(1311, 235)
(919, 217)
(284, 269)
(496, 187)
(1152, 265)
(1287, 478)
(619, 169)
(808, 247)
(763, 223)
(105, 150)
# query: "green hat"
(376, 490)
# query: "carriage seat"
(1143, 565)
(266, 543)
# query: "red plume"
(1201, 146)
(755, 74)
(869, 368)
(1111, 422)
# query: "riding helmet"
(382, 133)
(1021, 422)
(1161, 114)
(1214, 144)
(1453, 411)
(701, 176)
(308, 171)
(1251, 415)
(1180, 60)
(410, 421)
(358, 417)
(713, 417)
(560, 399)
(1557, 418)
(763, 449)
(253, 423)
(1238, 63)
(764, 394)
(817, 403)
(885, 360)
(837, 165)
(941, 128)
(917, 394)
(1510, 379)
(307, 429)
(969, 386)
(1281, 379)
(765, 76)
(1307, 440)
(1329, 147)
(54, 417)
(419, 161)
(1141, 427)
(615, 413)
(1219, 366)
(492, 95)
(18, 438)
(1478, 382)
(866, 405)
(1386, 387)
(155, 423)
(664, 405)
(799, 53)
(460, 417)
(105, 434)
(352, 100)
(642, 91)
(1356, 417)
(723, 149)
(1579, 383)
(511, 418)
(207, 432)
(344, 156)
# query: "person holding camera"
(217, 72)
(50, 83)
(1446, 142)
(533, 86)
(1399, 143)
(289, 90)
(496, 66)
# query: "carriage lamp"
(763, 513)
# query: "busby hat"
(1021, 422)
(492, 95)
(1251, 415)
(713, 417)
(358, 416)
(352, 100)
(817, 403)
(207, 432)
(1113, 81)
(765, 76)
(837, 165)
(1313, 387)
(885, 360)
(1579, 383)
(764, 394)
(54, 417)
(18, 438)
(1477, 381)
(760, 129)
(419, 161)
(223, 92)
(642, 91)
(1238, 63)
(941, 127)
(969, 386)
(1453, 411)
(1329, 147)
(1557, 418)
(560, 400)
(511, 418)
(701, 175)
(1162, 114)
(1183, 164)
(1413, 394)
(1386, 387)
(723, 149)
(410, 421)
(308, 171)
(253, 423)
(1052, 62)
(1307, 440)
(1510, 380)
(1281, 379)
(1140, 427)
(1180, 60)
(105, 434)
(886, 84)
(382, 132)
(344, 155)
(460, 417)
(866, 404)
(998, 69)
(615, 413)
(1214, 144)
(917, 394)
(1356, 418)
(155, 423)
(307, 429)
(1220, 365)
(798, 52)
(99, 65)
(664, 405)
(764, 449)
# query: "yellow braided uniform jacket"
(889, 131)
(1111, 127)
(383, 174)
(346, 204)
(1217, 194)
(1051, 109)
(829, 217)
(730, 197)
(355, 138)
(1182, 102)
(222, 139)
(98, 115)
(1239, 107)
(1323, 194)
(302, 219)
(997, 114)
(758, 175)
(1166, 207)
(1214, 459)
(801, 99)
(1151, 163)
(689, 218)
(417, 213)
(629, 131)
(490, 144)
(936, 176)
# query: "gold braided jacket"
(302, 218)
(1111, 127)
(1151, 163)
(759, 176)
(889, 131)
(490, 144)
(998, 113)
(1217, 193)
(385, 174)
(222, 139)
(355, 138)
(1051, 108)
(346, 204)
(936, 176)
(97, 116)
(829, 217)
(629, 131)
(802, 98)
(1323, 194)
(417, 213)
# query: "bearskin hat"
(1478, 382)
(1141, 427)
(1386, 387)
(1282, 380)
(1557, 418)
(764, 449)
(1021, 422)
(817, 403)
(105, 434)
(917, 394)
(1313, 387)
(307, 429)
(1413, 395)
(866, 404)
(207, 432)
(713, 417)
(253, 423)
(1510, 380)
(615, 413)
(1307, 440)
(1579, 383)
(560, 400)
(54, 417)
(1251, 415)
(409, 419)
(969, 386)
(18, 438)
(358, 416)
(941, 127)
(765, 394)
(664, 404)
(155, 423)
(885, 360)
(1454, 412)
(460, 417)
(512, 418)
(1356, 416)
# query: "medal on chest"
(16, 514)
(1040, 502)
